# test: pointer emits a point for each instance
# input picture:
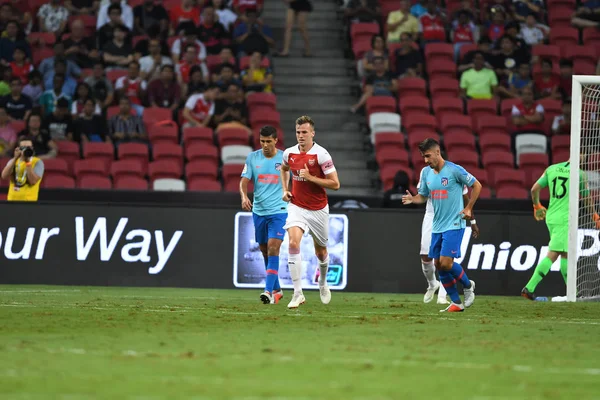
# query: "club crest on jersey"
(311, 162)
(444, 181)
(278, 166)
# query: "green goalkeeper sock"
(540, 272)
(563, 268)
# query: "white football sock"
(323, 266)
(295, 267)
(442, 292)
(429, 272)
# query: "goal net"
(583, 282)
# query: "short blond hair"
(305, 119)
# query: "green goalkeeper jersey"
(556, 178)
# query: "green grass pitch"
(138, 343)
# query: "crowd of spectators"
(88, 70)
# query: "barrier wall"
(375, 251)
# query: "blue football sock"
(459, 274)
(272, 273)
(450, 285)
(276, 286)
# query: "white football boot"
(470, 295)
(325, 293)
(267, 298)
(297, 300)
(431, 292)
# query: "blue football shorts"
(446, 244)
(269, 227)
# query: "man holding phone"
(25, 172)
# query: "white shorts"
(316, 222)
(426, 229)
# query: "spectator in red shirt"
(431, 24)
(495, 28)
(463, 32)
(528, 116)
(132, 87)
(190, 58)
(185, 12)
(20, 66)
(546, 84)
(200, 108)
(562, 123)
(165, 92)
(211, 32)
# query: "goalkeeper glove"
(597, 220)
(539, 212)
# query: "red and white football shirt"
(308, 195)
(132, 88)
(200, 107)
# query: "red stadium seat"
(131, 183)
(245, 63)
(532, 174)
(507, 105)
(164, 169)
(492, 125)
(40, 54)
(380, 104)
(17, 124)
(512, 192)
(231, 172)
(560, 142)
(509, 177)
(546, 52)
(468, 159)
(114, 74)
(560, 3)
(418, 136)
(447, 106)
(360, 47)
(134, 151)
(95, 182)
(442, 68)
(457, 141)
(90, 167)
(584, 67)
(233, 136)
(551, 106)
(138, 38)
(127, 168)
(439, 52)
(417, 160)
(204, 185)
(99, 150)
(68, 151)
(411, 87)
(444, 87)
(415, 122)
(163, 132)
(202, 152)
(564, 36)
(456, 124)
(261, 117)
(392, 156)
(586, 53)
(233, 186)
(56, 167)
(527, 160)
(495, 160)
(58, 182)
(197, 134)
(168, 151)
(495, 142)
(466, 48)
(201, 169)
(155, 115)
(413, 105)
(591, 37)
(393, 140)
(260, 99)
(561, 156)
(481, 175)
(363, 30)
(481, 109)
(485, 193)
(387, 175)
(41, 39)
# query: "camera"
(27, 151)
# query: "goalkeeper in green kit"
(556, 178)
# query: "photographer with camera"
(25, 172)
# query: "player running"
(426, 262)
(443, 183)
(557, 220)
(312, 171)
(269, 211)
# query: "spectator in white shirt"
(226, 16)
(531, 33)
(151, 64)
(53, 18)
(190, 38)
(126, 14)
(200, 108)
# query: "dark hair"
(378, 59)
(305, 119)
(169, 66)
(194, 69)
(428, 144)
(80, 84)
(137, 64)
(226, 65)
(566, 63)
(35, 74)
(268, 131)
(23, 138)
(374, 37)
(478, 52)
(567, 101)
(90, 99)
(15, 78)
(212, 86)
(124, 98)
(99, 62)
(484, 40)
(546, 61)
(153, 31)
(20, 48)
(62, 103)
(120, 27)
(187, 46)
(59, 61)
(114, 6)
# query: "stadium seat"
(530, 143)
(458, 141)
(131, 183)
(162, 169)
(383, 122)
(260, 99)
(442, 68)
(163, 133)
(134, 151)
(485, 193)
(591, 37)
(377, 104)
(89, 167)
(532, 174)
(492, 125)
(363, 31)
(439, 52)
(564, 36)
(168, 185)
(456, 124)
(201, 169)
(204, 185)
(235, 154)
(41, 53)
(395, 140)
(507, 105)
(114, 74)
(360, 47)
(213, 62)
(198, 135)
(126, 168)
(263, 116)
(527, 160)
(413, 105)
(233, 136)
(561, 155)
(392, 156)
(245, 62)
(95, 182)
(468, 159)
(560, 142)
(58, 182)
(444, 87)
(231, 172)
(481, 175)
(466, 48)
(156, 115)
(416, 122)
(543, 52)
(480, 110)
(100, 151)
(412, 87)
(495, 160)
(509, 177)
(512, 192)
(447, 105)
(416, 160)
(387, 175)
(586, 53)
(583, 67)
(55, 167)
(495, 142)
(416, 137)
(202, 152)
(17, 124)
(168, 151)
(41, 39)
(68, 151)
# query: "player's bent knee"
(445, 263)
(321, 253)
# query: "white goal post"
(583, 282)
